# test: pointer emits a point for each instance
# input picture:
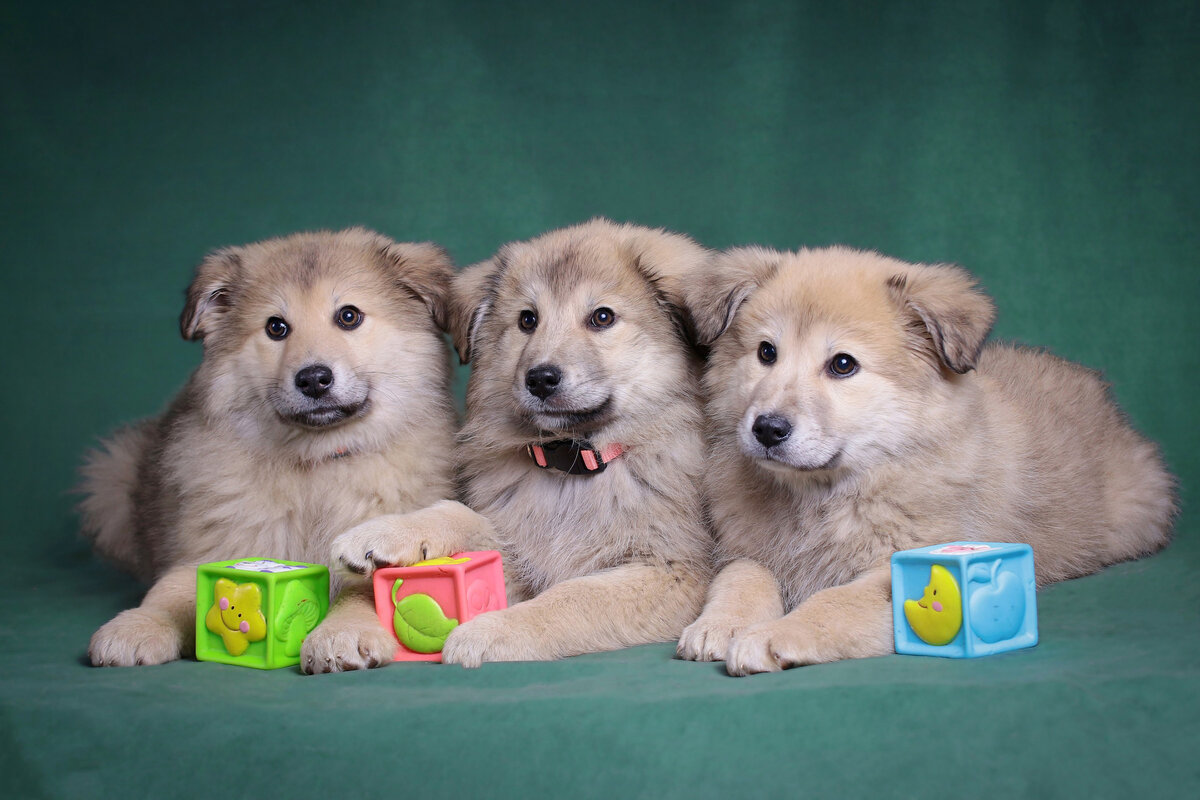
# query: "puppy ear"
(425, 269)
(715, 295)
(209, 295)
(472, 292)
(950, 316)
(671, 262)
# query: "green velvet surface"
(1050, 148)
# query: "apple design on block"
(998, 608)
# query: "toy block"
(964, 599)
(420, 604)
(257, 612)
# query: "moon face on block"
(937, 617)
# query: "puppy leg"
(849, 621)
(350, 636)
(619, 607)
(400, 539)
(162, 628)
(745, 593)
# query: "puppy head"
(320, 339)
(833, 359)
(577, 331)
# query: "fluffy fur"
(245, 464)
(932, 437)
(593, 562)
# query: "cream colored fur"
(228, 471)
(935, 438)
(592, 562)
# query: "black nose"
(771, 429)
(314, 381)
(541, 381)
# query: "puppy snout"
(771, 429)
(314, 381)
(542, 380)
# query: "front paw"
(137, 637)
(337, 646)
(708, 638)
(380, 542)
(770, 647)
(488, 637)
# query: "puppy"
(582, 449)
(322, 400)
(854, 411)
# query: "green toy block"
(255, 612)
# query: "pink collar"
(341, 452)
(573, 456)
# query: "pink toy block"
(422, 603)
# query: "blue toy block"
(964, 599)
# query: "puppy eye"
(843, 365)
(348, 318)
(602, 317)
(277, 328)
(527, 321)
(766, 353)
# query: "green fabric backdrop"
(1051, 148)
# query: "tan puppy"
(574, 336)
(322, 400)
(854, 411)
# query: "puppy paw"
(769, 647)
(137, 637)
(338, 646)
(488, 637)
(708, 638)
(380, 542)
(402, 539)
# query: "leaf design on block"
(298, 614)
(420, 623)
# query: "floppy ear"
(472, 292)
(715, 295)
(950, 316)
(670, 262)
(424, 269)
(209, 295)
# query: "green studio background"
(1049, 147)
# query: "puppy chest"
(563, 527)
(806, 553)
(292, 515)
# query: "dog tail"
(109, 482)
(1143, 502)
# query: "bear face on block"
(964, 599)
(421, 604)
(257, 612)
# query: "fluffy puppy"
(854, 411)
(581, 453)
(322, 400)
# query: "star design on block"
(236, 615)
